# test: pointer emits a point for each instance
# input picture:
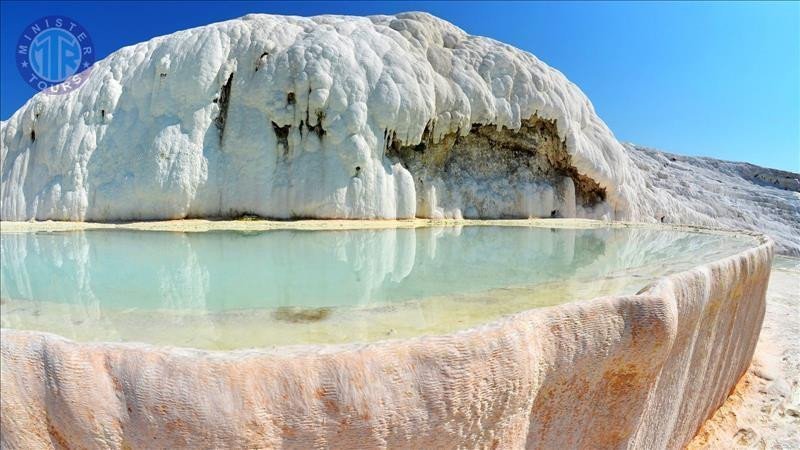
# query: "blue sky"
(711, 79)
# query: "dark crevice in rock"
(389, 138)
(587, 191)
(318, 127)
(224, 101)
(282, 133)
(261, 60)
(33, 135)
(290, 99)
(247, 217)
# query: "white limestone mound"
(314, 117)
(330, 117)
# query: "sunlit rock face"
(347, 117)
(707, 191)
(325, 117)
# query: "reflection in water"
(227, 289)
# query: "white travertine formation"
(725, 194)
(639, 371)
(291, 117)
(332, 117)
(380, 117)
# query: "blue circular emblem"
(55, 54)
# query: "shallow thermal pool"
(233, 289)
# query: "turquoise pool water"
(227, 289)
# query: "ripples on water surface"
(229, 289)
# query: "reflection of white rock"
(183, 285)
(59, 265)
(110, 282)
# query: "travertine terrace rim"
(621, 371)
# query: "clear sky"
(713, 79)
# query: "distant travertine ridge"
(707, 191)
(353, 117)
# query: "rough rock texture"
(639, 371)
(288, 117)
(500, 174)
(345, 117)
(724, 194)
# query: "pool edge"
(611, 371)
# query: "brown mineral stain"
(621, 382)
(301, 315)
(331, 405)
(176, 426)
(58, 440)
(288, 431)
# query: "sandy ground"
(764, 410)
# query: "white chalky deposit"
(289, 117)
(327, 117)
(707, 191)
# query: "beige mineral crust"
(641, 371)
